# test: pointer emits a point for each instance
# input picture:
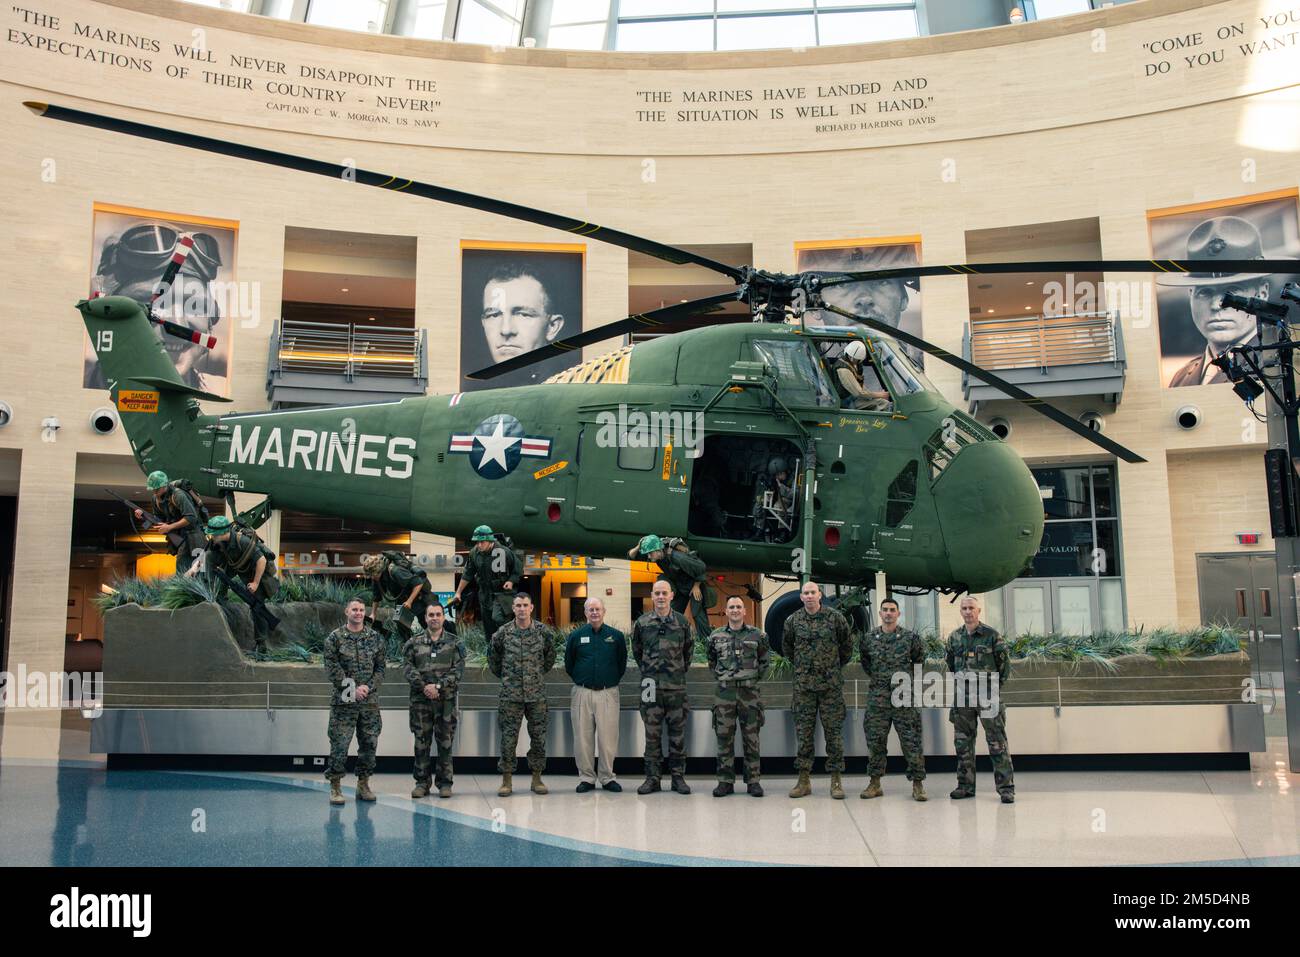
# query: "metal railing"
(1041, 341)
(350, 350)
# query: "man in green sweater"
(595, 657)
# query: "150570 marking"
(230, 481)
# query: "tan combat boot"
(444, 791)
(803, 787)
(363, 790)
(872, 790)
(537, 786)
(336, 793)
(419, 791)
(506, 789)
(837, 786)
(918, 791)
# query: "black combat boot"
(649, 786)
(723, 789)
(680, 785)
(755, 789)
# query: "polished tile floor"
(75, 812)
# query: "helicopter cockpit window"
(903, 377)
(801, 377)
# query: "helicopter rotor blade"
(656, 317)
(1014, 391)
(1224, 267)
(614, 237)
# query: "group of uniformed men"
(521, 652)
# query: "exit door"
(1242, 589)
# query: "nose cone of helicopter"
(991, 514)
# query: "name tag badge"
(584, 640)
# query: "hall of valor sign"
(830, 108)
(283, 86)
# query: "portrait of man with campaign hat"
(1195, 328)
(893, 301)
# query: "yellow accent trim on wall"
(850, 243)
(160, 214)
(1221, 203)
(525, 247)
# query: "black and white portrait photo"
(514, 301)
(132, 249)
(1195, 328)
(896, 302)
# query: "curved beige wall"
(1050, 121)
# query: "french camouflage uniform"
(983, 654)
(396, 582)
(494, 599)
(818, 646)
(173, 505)
(353, 659)
(884, 654)
(662, 649)
(685, 570)
(738, 658)
(521, 658)
(439, 662)
(238, 556)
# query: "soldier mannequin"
(975, 647)
(662, 646)
(179, 514)
(354, 663)
(434, 663)
(240, 553)
(884, 652)
(400, 581)
(738, 656)
(685, 572)
(818, 642)
(520, 654)
(496, 573)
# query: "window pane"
(866, 26)
(637, 457)
(673, 35)
(753, 6)
(1074, 609)
(657, 8)
(578, 11)
(1065, 552)
(1066, 493)
(1111, 599)
(239, 6)
(827, 4)
(1108, 542)
(430, 18)
(991, 614)
(801, 380)
(480, 23)
(1029, 609)
(1043, 9)
(347, 14)
(1102, 492)
(766, 33)
(587, 36)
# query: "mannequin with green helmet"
(496, 572)
(685, 571)
(240, 553)
(180, 513)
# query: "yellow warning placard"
(137, 400)
(668, 460)
(549, 470)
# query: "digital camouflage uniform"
(685, 570)
(395, 583)
(238, 556)
(739, 660)
(884, 654)
(353, 659)
(440, 663)
(984, 653)
(494, 599)
(521, 658)
(173, 505)
(662, 649)
(818, 646)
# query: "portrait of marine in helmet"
(1195, 328)
(130, 252)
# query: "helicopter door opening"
(746, 488)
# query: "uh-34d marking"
(919, 491)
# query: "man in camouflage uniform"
(817, 641)
(496, 573)
(240, 553)
(685, 572)
(354, 663)
(662, 646)
(884, 652)
(978, 657)
(398, 579)
(520, 654)
(180, 515)
(434, 663)
(738, 657)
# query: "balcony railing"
(327, 363)
(1047, 355)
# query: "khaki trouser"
(595, 716)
